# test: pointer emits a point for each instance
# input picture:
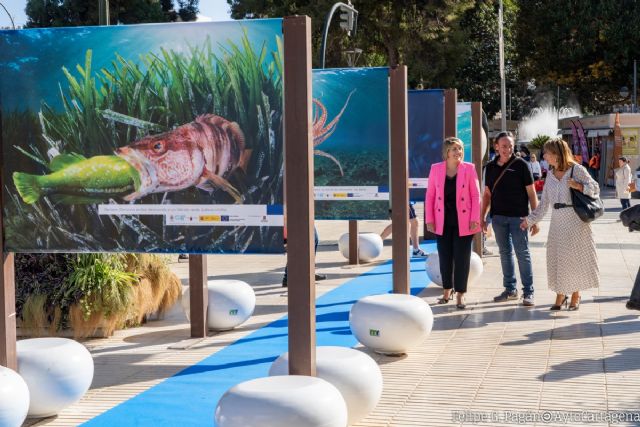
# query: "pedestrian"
(413, 231)
(572, 262)
(316, 240)
(534, 166)
(508, 193)
(623, 179)
(631, 218)
(544, 165)
(594, 165)
(452, 212)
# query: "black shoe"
(506, 296)
(183, 257)
(320, 277)
(556, 307)
(284, 282)
(632, 305)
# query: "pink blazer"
(467, 197)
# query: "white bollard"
(369, 246)
(14, 398)
(231, 303)
(432, 267)
(391, 323)
(58, 372)
(282, 401)
(355, 374)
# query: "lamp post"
(13, 24)
(635, 85)
(503, 83)
(349, 23)
(103, 12)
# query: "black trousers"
(454, 252)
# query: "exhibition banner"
(143, 138)
(351, 143)
(463, 113)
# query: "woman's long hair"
(561, 149)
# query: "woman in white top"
(534, 166)
(623, 179)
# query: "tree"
(586, 47)
(422, 34)
(63, 13)
(478, 77)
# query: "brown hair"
(448, 142)
(561, 149)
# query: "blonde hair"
(560, 148)
(448, 143)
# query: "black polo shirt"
(510, 197)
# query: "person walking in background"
(572, 262)
(594, 165)
(413, 232)
(623, 179)
(452, 212)
(544, 165)
(534, 167)
(508, 193)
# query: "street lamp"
(13, 24)
(503, 83)
(348, 22)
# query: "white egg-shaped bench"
(231, 303)
(58, 372)
(390, 323)
(354, 373)
(14, 398)
(433, 268)
(282, 401)
(369, 246)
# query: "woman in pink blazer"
(452, 211)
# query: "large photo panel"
(351, 143)
(143, 138)
(426, 134)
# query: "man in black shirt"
(508, 193)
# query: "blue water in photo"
(463, 112)
(31, 60)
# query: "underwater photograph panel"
(463, 113)
(351, 143)
(426, 134)
(143, 138)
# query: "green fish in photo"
(78, 180)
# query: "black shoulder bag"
(586, 207)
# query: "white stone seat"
(369, 246)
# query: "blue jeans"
(510, 237)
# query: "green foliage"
(102, 281)
(538, 142)
(585, 47)
(67, 13)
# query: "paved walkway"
(487, 365)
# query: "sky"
(210, 10)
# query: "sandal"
(445, 300)
(460, 304)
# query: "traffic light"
(347, 18)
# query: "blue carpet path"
(189, 398)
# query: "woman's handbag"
(630, 217)
(586, 207)
(632, 187)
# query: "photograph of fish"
(426, 133)
(351, 143)
(97, 119)
(463, 113)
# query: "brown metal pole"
(198, 295)
(353, 242)
(399, 179)
(450, 116)
(298, 187)
(477, 154)
(8, 357)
